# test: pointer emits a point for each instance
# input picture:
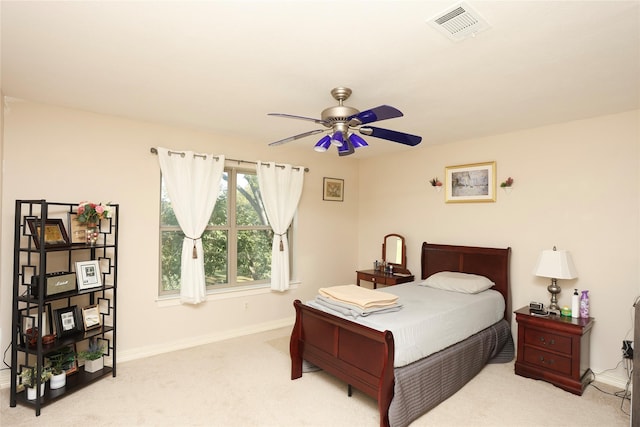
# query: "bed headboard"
(489, 262)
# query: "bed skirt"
(422, 385)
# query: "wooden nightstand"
(554, 349)
(378, 278)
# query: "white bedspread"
(431, 319)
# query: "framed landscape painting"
(474, 182)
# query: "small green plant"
(94, 352)
(28, 376)
(60, 359)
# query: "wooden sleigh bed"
(364, 357)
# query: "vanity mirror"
(394, 251)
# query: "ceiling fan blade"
(309, 119)
(391, 135)
(382, 112)
(301, 135)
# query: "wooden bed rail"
(360, 356)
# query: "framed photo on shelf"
(67, 321)
(77, 230)
(31, 327)
(55, 235)
(333, 189)
(91, 317)
(474, 182)
(88, 274)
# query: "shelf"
(64, 341)
(32, 266)
(75, 382)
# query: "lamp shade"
(337, 139)
(555, 264)
(324, 144)
(357, 141)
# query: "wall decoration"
(474, 182)
(88, 274)
(333, 189)
(55, 235)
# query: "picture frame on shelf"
(31, 327)
(55, 235)
(91, 317)
(67, 321)
(333, 189)
(70, 365)
(88, 274)
(475, 182)
(77, 230)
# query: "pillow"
(458, 282)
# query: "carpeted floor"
(245, 382)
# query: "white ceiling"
(223, 65)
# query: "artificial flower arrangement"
(507, 183)
(92, 213)
(435, 182)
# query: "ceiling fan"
(342, 121)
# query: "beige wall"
(576, 187)
(66, 155)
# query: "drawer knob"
(550, 362)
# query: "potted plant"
(93, 360)
(29, 381)
(59, 361)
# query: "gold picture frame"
(471, 183)
(333, 189)
(55, 235)
(77, 230)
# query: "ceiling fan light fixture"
(357, 141)
(337, 139)
(323, 145)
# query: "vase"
(93, 231)
(93, 365)
(58, 381)
(31, 392)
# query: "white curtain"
(192, 181)
(281, 188)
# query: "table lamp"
(556, 265)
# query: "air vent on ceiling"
(459, 22)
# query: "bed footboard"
(360, 356)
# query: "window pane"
(221, 210)
(249, 208)
(171, 245)
(216, 248)
(167, 216)
(254, 255)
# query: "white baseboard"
(148, 351)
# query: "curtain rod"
(155, 151)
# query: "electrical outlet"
(627, 349)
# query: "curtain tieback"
(281, 245)
(195, 251)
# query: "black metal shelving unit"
(33, 260)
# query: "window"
(237, 241)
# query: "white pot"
(93, 365)
(58, 381)
(31, 392)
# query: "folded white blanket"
(354, 311)
(359, 296)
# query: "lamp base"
(554, 290)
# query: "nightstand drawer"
(549, 361)
(548, 341)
